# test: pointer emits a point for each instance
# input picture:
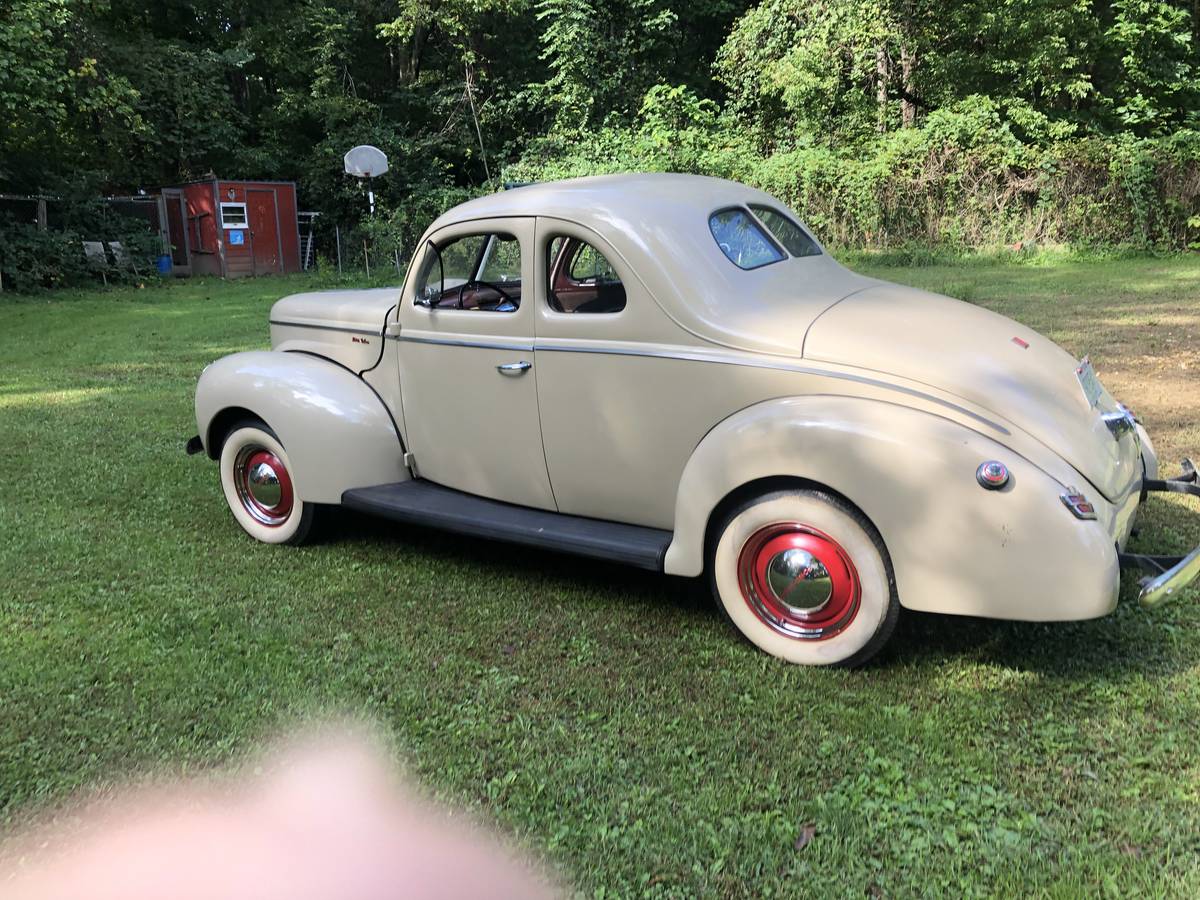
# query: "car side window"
(787, 232)
(742, 240)
(581, 279)
(480, 272)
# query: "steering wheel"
(504, 295)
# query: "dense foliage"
(884, 121)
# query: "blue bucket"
(164, 264)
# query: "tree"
(839, 70)
(59, 94)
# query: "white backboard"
(365, 161)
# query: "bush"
(399, 229)
(32, 259)
(964, 179)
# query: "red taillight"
(1079, 505)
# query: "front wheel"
(256, 477)
(805, 577)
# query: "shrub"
(32, 259)
(977, 174)
(399, 229)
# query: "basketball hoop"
(365, 161)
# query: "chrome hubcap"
(263, 485)
(799, 581)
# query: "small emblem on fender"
(1021, 342)
(1078, 504)
(358, 340)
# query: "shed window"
(742, 240)
(233, 215)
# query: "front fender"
(1016, 553)
(337, 432)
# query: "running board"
(419, 502)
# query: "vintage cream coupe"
(669, 371)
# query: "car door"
(467, 380)
(618, 419)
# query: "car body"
(670, 371)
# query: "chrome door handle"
(517, 368)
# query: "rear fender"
(1015, 553)
(337, 432)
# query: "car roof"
(658, 223)
(592, 201)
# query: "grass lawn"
(608, 719)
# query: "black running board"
(420, 502)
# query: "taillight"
(1078, 504)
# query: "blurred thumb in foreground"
(324, 818)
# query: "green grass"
(608, 719)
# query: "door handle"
(517, 368)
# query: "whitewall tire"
(256, 477)
(805, 577)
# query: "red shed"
(233, 228)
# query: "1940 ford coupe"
(669, 371)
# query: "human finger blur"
(325, 817)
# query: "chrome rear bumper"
(1168, 575)
(1157, 589)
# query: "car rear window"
(787, 232)
(742, 240)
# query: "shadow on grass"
(1127, 644)
(621, 583)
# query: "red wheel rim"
(263, 485)
(799, 581)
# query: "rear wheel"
(805, 577)
(256, 477)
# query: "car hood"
(985, 358)
(361, 309)
(344, 326)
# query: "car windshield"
(787, 232)
(742, 240)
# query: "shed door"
(174, 229)
(264, 231)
